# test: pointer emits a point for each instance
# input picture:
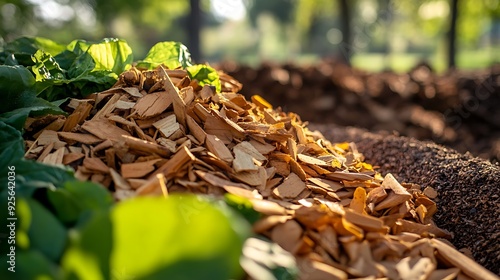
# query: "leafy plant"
(74, 71)
(72, 230)
(176, 55)
(171, 54)
(205, 75)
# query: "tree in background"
(314, 28)
(452, 34)
(345, 26)
(194, 24)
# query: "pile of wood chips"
(158, 132)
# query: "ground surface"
(468, 201)
(457, 109)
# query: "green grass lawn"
(402, 62)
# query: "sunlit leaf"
(205, 75)
(171, 54)
(165, 239)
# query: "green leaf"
(165, 239)
(17, 91)
(30, 45)
(45, 232)
(205, 75)
(110, 54)
(46, 67)
(30, 175)
(157, 238)
(171, 54)
(89, 251)
(11, 145)
(31, 265)
(243, 206)
(82, 69)
(76, 198)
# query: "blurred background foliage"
(370, 34)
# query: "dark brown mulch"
(468, 187)
(458, 109)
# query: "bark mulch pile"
(457, 109)
(157, 132)
(468, 200)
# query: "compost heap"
(157, 132)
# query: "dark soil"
(457, 109)
(468, 201)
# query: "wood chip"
(175, 163)
(79, 137)
(167, 126)
(397, 196)
(50, 137)
(153, 104)
(138, 169)
(291, 187)
(55, 157)
(178, 103)
(196, 130)
(96, 165)
(326, 184)
(72, 157)
(287, 235)
(349, 176)
(145, 146)
(466, 265)
(243, 161)
(217, 147)
(104, 129)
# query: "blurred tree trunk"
(194, 26)
(345, 28)
(452, 34)
(495, 37)
(386, 17)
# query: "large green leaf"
(30, 45)
(31, 265)
(32, 175)
(157, 238)
(171, 54)
(29, 174)
(165, 239)
(75, 198)
(110, 54)
(17, 91)
(11, 145)
(45, 232)
(205, 75)
(89, 252)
